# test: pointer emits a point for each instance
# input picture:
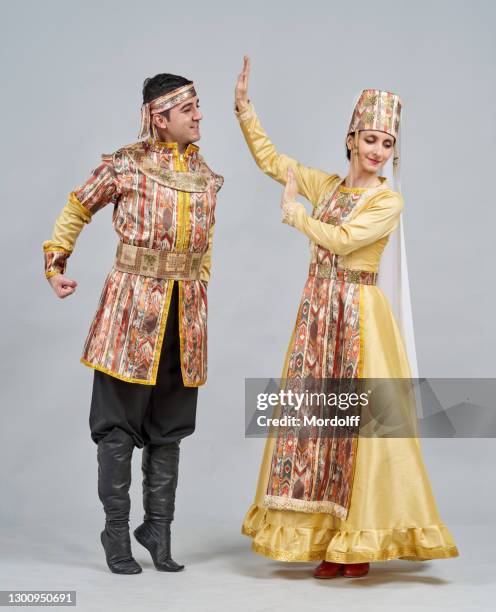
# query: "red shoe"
(327, 569)
(356, 570)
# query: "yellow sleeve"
(375, 220)
(67, 228)
(311, 182)
(207, 257)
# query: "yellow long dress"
(392, 512)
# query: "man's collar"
(173, 147)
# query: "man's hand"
(241, 92)
(62, 285)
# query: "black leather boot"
(114, 454)
(160, 471)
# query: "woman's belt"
(345, 274)
(157, 263)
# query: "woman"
(374, 501)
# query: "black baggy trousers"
(150, 414)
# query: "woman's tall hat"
(376, 109)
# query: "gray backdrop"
(72, 77)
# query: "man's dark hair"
(162, 84)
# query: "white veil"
(393, 277)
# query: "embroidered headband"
(161, 104)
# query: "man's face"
(183, 125)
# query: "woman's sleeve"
(100, 189)
(311, 182)
(376, 219)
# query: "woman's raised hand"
(289, 205)
(241, 91)
(290, 190)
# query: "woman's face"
(374, 149)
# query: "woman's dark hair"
(162, 84)
(348, 152)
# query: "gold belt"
(346, 274)
(157, 263)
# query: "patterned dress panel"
(311, 469)
(328, 309)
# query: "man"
(148, 339)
